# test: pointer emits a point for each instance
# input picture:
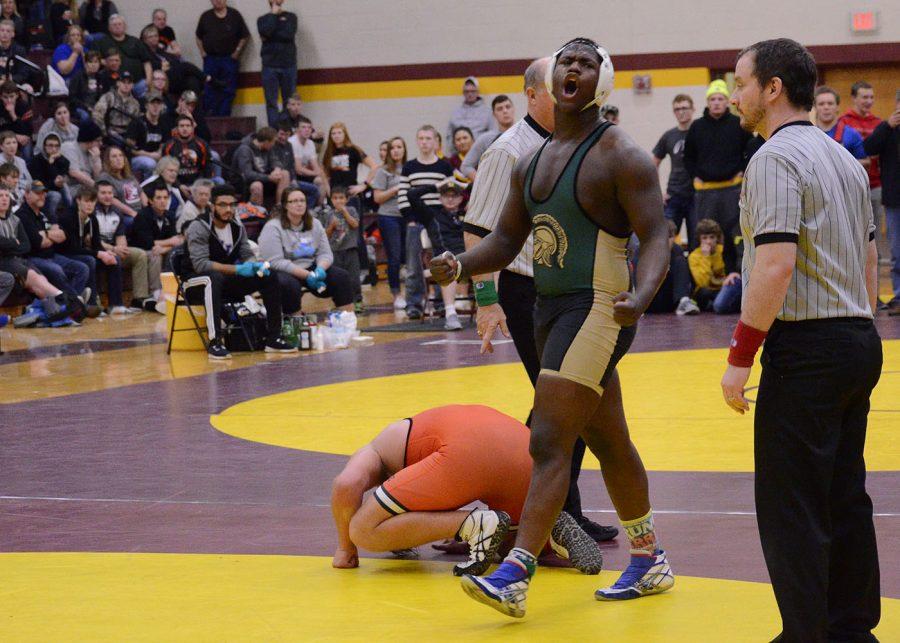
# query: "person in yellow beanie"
(716, 151)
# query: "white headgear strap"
(605, 80)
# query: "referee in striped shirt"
(506, 300)
(809, 292)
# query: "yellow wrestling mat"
(673, 403)
(204, 597)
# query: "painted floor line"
(687, 512)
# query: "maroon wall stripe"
(878, 53)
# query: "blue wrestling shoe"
(645, 575)
(505, 590)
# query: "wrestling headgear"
(604, 80)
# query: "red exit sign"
(863, 21)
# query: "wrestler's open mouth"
(570, 85)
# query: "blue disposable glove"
(245, 269)
(320, 273)
(312, 281)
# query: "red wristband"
(744, 344)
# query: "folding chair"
(180, 269)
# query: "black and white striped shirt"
(803, 187)
(491, 185)
(416, 173)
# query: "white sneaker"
(687, 306)
(452, 322)
(399, 303)
(485, 531)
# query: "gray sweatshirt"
(204, 246)
(285, 249)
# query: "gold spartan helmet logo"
(549, 240)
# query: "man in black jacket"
(885, 142)
(278, 32)
(153, 230)
(219, 249)
(715, 155)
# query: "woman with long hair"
(342, 159)
(60, 124)
(383, 148)
(296, 247)
(68, 57)
(386, 185)
(117, 170)
(462, 143)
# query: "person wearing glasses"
(219, 249)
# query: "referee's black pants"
(517, 296)
(814, 515)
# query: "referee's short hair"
(791, 62)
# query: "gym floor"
(154, 497)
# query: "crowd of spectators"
(123, 172)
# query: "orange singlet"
(456, 455)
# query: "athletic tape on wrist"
(486, 293)
(744, 344)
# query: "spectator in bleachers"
(112, 67)
(278, 33)
(197, 205)
(44, 233)
(218, 248)
(145, 267)
(181, 74)
(166, 33)
(117, 108)
(85, 87)
(295, 244)
(253, 162)
(51, 168)
(610, 113)
(9, 179)
(863, 120)
(715, 155)
(504, 113)
(62, 17)
(383, 148)
(344, 239)
(68, 57)
(60, 124)
(84, 156)
(9, 11)
(167, 170)
(94, 15)
(127, 189)
(825, 106)
(386, 185)
(188, 104)
(474, 113)
(159, 85)
(309, 173)
(16, 116)
(135, 57)
(341, 162)
(674, 295)
(462, 143)
(83, 240)
(423, 172)
(9, 146)
(192, 152)
(14, 246)
(282, 154)
(293, 112)
(145, 137)
(221, 35)
(715, 289)
(154, 230)
(11, 69)
(679, 195)
(884, 142)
